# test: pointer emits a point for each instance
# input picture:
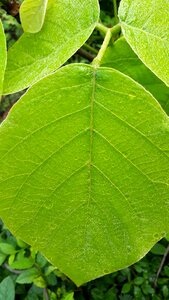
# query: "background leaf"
(68, 24)
(88, 185)
(145, 25)
(120, 56)
(7, 289)
(32, 14)
(3, 55)
(27, 276)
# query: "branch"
(85, 54)
(45, 294)
(17, 272)
(161, 265)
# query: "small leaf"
(3, 56)
(158, 249)
(40, 282)
(27, 276)
(49, 269)
(41, 260)
(138, 280)
(7, 289)
(21, 244)
(32, 14)
(11, 259)
(23, 263)
(145, 25)
(69, 296)
(2, 258)
(7, 248)
(126, 288)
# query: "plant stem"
(112, 32)
(100, 27)
(115, 11)
(5, 265)
(161, 265)
(45, 293)
(88, 47)
(115, 30)
(85, 54)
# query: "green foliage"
(120, 56)
(64, 31)
(135, 283)
(7, 291)
(32, 14)
(88, 146)
(83, 99)
(145, 25)
(3, 57)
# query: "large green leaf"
(32, 14)
(145, 25)
(67, 26)
(84, 170)
(121, 57)
(2, 56)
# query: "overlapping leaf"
(67, 26)
(85, 170)
(2, 56)
(145, 25)
(121, 57)
(32, 14)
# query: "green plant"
(88, 145)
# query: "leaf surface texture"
(85, 170)
(68, 24)
(120, 56)
(145, 25)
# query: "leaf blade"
(121, 57)
(32, 15)
(147, 33)
(94, 168)
(34, 56)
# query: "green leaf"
(40, 282)
(11, 259)
(138, 280)
(32, 14)
(27, 276)
(69, 296)
(88, 185)
(145, 25)
(7, 248)
(120, 56)
(7, 289)
(49, 269)
(126, 288)
(158, 249)
(3, 56)
(2, 258)
(23, 263)
(68, 24)
(21, 244)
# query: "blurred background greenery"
(24, 272)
